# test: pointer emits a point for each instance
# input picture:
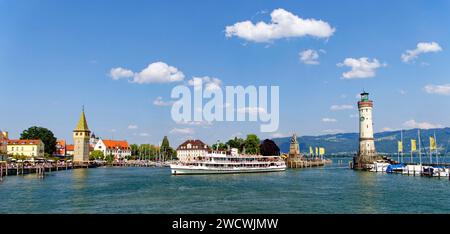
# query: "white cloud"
(279, 135)
(195, 123)
(182, 131)
(387, 129)
(132, 126)
(158, 72)
(438, 89)
(144, 134)
(251, 110)
(402, 92)
(160, 102)
(354, 116)
(119, 72)
(113, 130)
(328, 120)
(341, 107)
(283, 24)
(210, 83)
(310, 57)
(424, 125)
(422, 47)
(360, 68)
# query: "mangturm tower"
(81, 136)
(366, 153)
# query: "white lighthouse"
(366, 153)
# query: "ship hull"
(183, 170)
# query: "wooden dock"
(8, 169)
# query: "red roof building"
(118, 148)
(190, 149)
(60, 148)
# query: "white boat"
(440, 172)
(379, 166)
(435, 171)
(413, 170)
(219, 162)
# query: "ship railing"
(229, 165)
(230, 162)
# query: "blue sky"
(56, 56)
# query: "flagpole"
(411, 152)
(398, 152)
(430, 150)
(431, 159)
(435, 148)
(401, 138)
(420, 148)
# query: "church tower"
(81, 136)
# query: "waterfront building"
(119, 149)
(81, 136)
(190, 149)
(3, 142)
(366, 153)
(93, 140)
(69, 150)
(60, 150)
(29, 148)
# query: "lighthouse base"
(364, 162)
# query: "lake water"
(330, 189)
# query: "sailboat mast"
(431, 154)
(420, 148)
(401, 139)
(436, 148)
(411, 153)
(398, 151)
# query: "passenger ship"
(219, 162)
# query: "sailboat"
(400, 166)
(436, 170)
(414, 169)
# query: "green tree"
(45, 135)
(147, 151)
(251, 144)
(134, 149)
(269, 148)
(109, 158)
(237, 143)
(96, 154)
(221, 146)
(167, 152)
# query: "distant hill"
(385, 142)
